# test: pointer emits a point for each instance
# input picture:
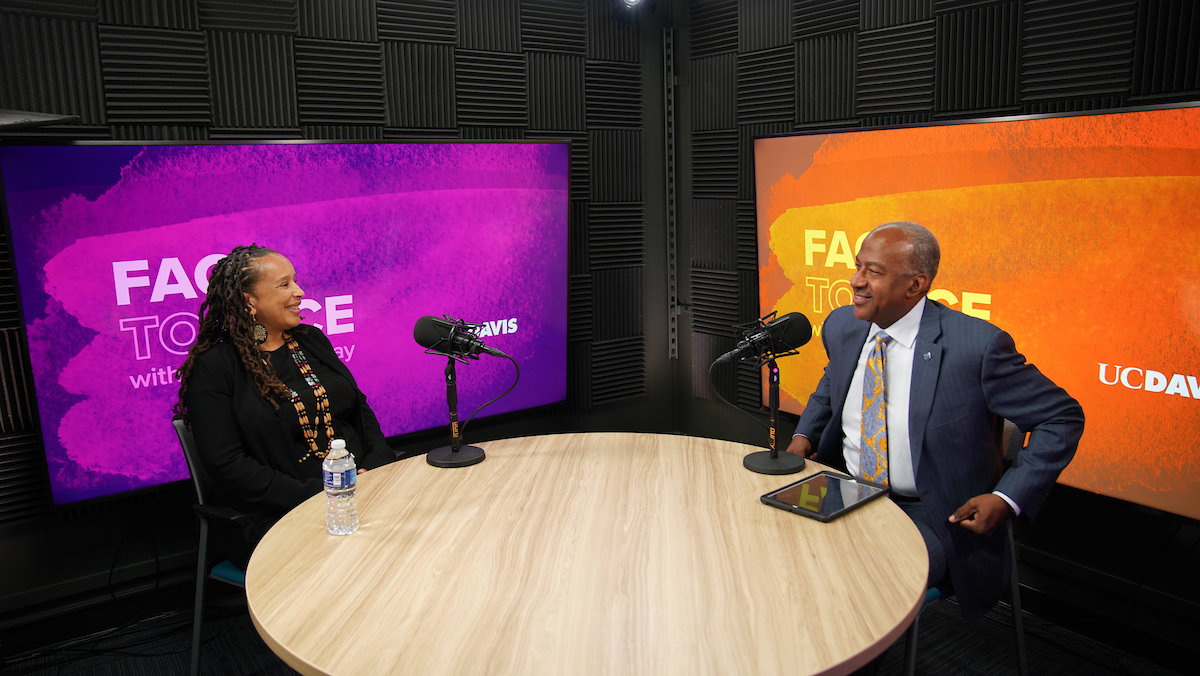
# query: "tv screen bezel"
(793, 417)
(419, 437)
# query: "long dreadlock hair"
(224, 316)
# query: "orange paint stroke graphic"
(1080, 236)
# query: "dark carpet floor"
(947, 646)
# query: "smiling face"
(885, 286)
(275, 299)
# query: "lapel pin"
(927, 355)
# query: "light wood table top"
(585, 554)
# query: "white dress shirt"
(898, 362)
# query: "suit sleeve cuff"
(1011, 505)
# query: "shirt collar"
(905, 330)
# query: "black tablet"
(824, 496)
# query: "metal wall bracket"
(669, 83)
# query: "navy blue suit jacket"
(967, 377)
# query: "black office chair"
(1013, 440)
(224, 571)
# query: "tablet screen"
(826, 494)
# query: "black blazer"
(246, 447)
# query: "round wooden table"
(585, 554)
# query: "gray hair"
(925, 254)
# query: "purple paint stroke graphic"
(379, 234)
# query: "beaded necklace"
(323, 416)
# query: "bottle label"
(339, 480)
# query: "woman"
(264, 396)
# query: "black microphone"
(782, 334)
(439, 335)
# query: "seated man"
(914, 397)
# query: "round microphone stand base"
(763, 463)
(446, 457)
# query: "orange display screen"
(1080, 236)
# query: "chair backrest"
(200, 478)
(1012, 440)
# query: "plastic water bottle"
(341, 478)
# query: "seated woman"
(264, 397)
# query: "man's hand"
(982, 514)
(801, 446)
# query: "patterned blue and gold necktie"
(873, 458)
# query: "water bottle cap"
(337, 448)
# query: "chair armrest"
(221, 513)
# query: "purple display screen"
(113, 245)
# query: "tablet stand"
(772, 461)
(454, 455)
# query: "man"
(915, 395)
